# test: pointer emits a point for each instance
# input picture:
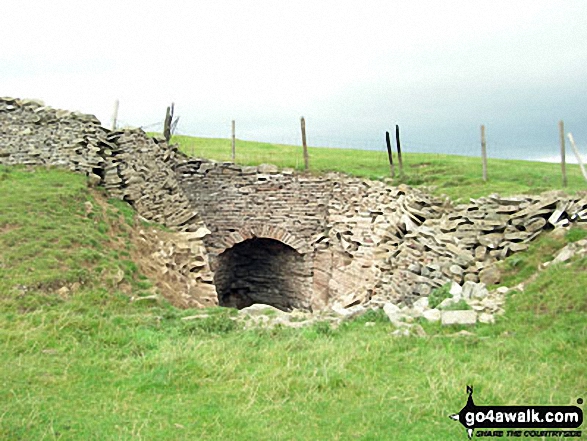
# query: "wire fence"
(423, 161)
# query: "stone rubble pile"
(481, 306)
(367, 222)
(467, 305)
(179, 264)
(465, 243)
(400, 244)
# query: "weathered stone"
(432, 315)
(479, 291)
(348, 313)
(480, 252)
(471, 277)
(421, 304)
(490, 275)
(456, 270)
(467, 317)
(268, 169)
(63, 291)
(486, 318)
(394, 314)
(260, 309)
(447, 303)
(455, 289)
(491, 240)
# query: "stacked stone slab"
(245, 203)
(367, 222)
(178, 264)
(128, 163)
(465, 243)
(365, 240)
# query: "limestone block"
(467, 317)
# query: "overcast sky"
(354, 69)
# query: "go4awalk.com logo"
(519, 421)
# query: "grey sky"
(352, 68)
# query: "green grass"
(51, 238)
(96, 366)
(459, 177)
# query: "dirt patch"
(7, 228)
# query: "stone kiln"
(262, 235)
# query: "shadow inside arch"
(261, 270)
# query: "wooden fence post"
(399, 149)
(304, 145)
(579, 159)
(484, 153)
(233, 142)
(167, 123)
(389, 155)
(115, 114)
(561, 130)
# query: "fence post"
(561, 130)
(304, 145)
(389, 155)
(167, 123)
(484, 153)
(579, 159)
(399, 149)
(115, 114)
(233, 143)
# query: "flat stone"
(491, 240)
(455, 289)
(490, 275)
(390, 308)
(563, 255)
(471, 277)
(432, 315)
(268, 169)
(348, 313)
(480, 252)
(456, 270)
(421, 303)
(258, 309)
(486, 318)
(467, 317)
(396, 317)
(200, 233)
(535, 224)
(447, 303)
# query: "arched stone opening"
(261, 270)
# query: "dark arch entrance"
(261, 270)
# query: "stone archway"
(263, 270)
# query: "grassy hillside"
(456, 176)
(89, 364)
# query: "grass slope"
(456, 176)
(94, 366)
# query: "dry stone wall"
(263, 235)
(129, 164)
